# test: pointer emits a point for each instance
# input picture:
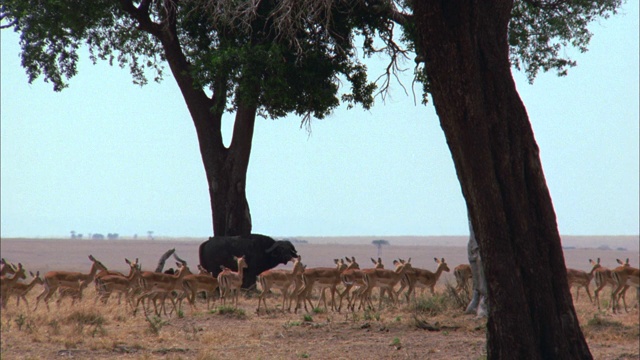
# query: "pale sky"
(107, 156)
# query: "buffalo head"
(282, 251)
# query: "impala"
(355, 277)
(121, 284)
(462, 274)
(6, 268)
(201, 282)
(20, 290)
(281, 279)
(580, 279)
(158, 286)
(603, 278)
(423, 278)
(54, 279)
(624, 276)
(324, 278)
(230, 281)
(73, 292)
(384, 279)
(8, 283)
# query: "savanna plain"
(429, 327)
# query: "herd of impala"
(348, 284)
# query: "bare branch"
(163, 259)
(175, 255)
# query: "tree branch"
(141, 14)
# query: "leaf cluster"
(242, 56)
(282, 56)
(540, 32)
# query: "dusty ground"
(87, 331)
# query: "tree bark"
(531, 314)
(478, 304)
(225, 168)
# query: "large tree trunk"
(531, 314)
(225, 168)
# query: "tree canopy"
(232, 59)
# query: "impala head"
(183, 269)
(441, 264)
(377, 264)
(202, 270)
(133, 265)
(298, 268)
(36, 278)
(340, 264)
(7, 267)
(625, 264)
(595, 264)
(99, 266)
(20, 272)
(402, 266)
(242, 262)
(352, 264)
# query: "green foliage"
(541, 32)
(81, 319)
(307, 318)
(318, 310)
(289, 324)
(231, 311)
(241, 60)
(20, 320)
(371, 315)
(432, 305)
(86, 318)
(600, 322)
(155, 324)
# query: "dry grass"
(429, 328)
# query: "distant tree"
(73, 234)
(379, 244)
(150, 235)
(221, 62)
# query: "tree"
(468, 48)
(244, 65)
(378, 244)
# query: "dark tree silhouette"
(379, 244)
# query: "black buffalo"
(261, 253)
